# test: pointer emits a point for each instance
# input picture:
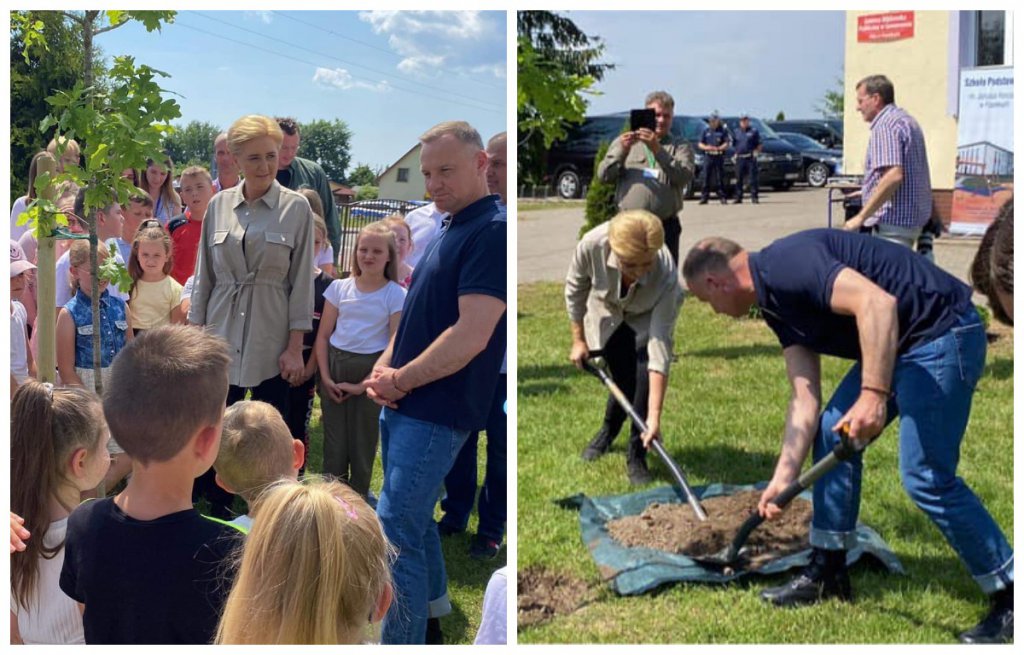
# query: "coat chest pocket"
(278, 254)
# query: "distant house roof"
(398, 161)
(341, 190)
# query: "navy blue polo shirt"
(793, 278)
(468, 257)
(715, 136)
(746, 141)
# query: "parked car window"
(733, 122)
(802, 141)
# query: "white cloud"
(436, 42)
(421, 64)
(340, 78)
(265, 17)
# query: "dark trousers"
(743, 166)
(714, 168)
(460, 483)
(627, 364)
(300, 409)
(672, 231)
(274, 391)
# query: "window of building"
(991, 38)
(403, 174)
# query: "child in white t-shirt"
(360, 316)
(58, 451)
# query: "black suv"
(827, 132)
(571, 162)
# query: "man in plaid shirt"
(897, 190)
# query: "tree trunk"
(94, 266)
(46, 288)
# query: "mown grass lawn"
(723, 423)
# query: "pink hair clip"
(348, 508)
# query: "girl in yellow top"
(155, 296)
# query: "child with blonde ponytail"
(316, 569)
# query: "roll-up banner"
(984, 162)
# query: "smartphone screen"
(642, 118)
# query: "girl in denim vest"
(74, 339)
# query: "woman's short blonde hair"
(251, 127)
(635, 234)
(313, 570)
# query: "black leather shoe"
(703, 202)
(737, 202)
(754, 200)
(826, 577)
(805, 590)
(997, 626)
(598, 445)
(637, 471)
(482, 548)
(447, 530)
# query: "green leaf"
(115, 273)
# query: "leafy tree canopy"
(363, 175)
(327, 143)
(192, 144)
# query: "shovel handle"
(843, 451)
(680, 479)
(624, 402)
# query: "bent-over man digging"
(919, 349)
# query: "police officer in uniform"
(747, 142)
(714, 142)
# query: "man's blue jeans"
(415, 456)
(460, 483)
(934, 385)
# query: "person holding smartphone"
(651, 167)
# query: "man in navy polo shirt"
(437, 377)
(460, 483)
(919, 349)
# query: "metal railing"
(354, 216)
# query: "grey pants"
(905, 236)
(351, 428)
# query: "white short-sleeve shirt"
(362, 325)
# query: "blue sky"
(756, 61)
(389, 75)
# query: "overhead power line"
(275, 39)
(391, 53)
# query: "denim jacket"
(113, 327)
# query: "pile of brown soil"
(543, 594)
(675, 528)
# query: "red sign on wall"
(890, 26)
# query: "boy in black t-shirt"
(145, 566)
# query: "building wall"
(920, 70)
(390, 187)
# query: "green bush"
(600, 195)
